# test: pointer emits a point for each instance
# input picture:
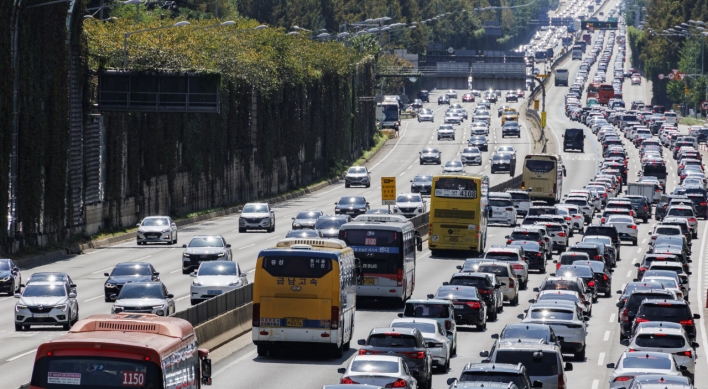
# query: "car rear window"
(635, 299)
(680, 212)
(597, 230)
(490, 376)
(500, 271)
(592, 252)
(660, 341)
(500, 203)
(374, 367)
(502, 257)
(668, 312)
(551, 314)
(646, 362)
(525, 235)
(545, 364)
(430, 311)
(560, 285)
(422, 327)
(392, 340)
(470, 281)
(520, 196)
(667, 231)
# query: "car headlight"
(221, 254)
(196, 283)
(235, 283)
(140, 230)
(159, 306)
(117, 309)
(186, 255)
(166, 230)
(110, 285)
(19, 306)
(296, 224)
(5, 279)
(61, 306)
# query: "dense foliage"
(457, 29)
(306, 91)
(658, 53)
(5, 103)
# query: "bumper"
(7, 287)
(50, 317)
(506, 219)
(511, 133)
(162, 311)
(537, 263)
(379, 291)
(259, 224)
(357, 181)
(109, 291)
(627, 236)
(429, 160)
(156, 237)
(469, 319)
(351, 212)
(509, 294)
(207, 292)
(472, 161)
(284, 337)
(559, 245)
(572, 347)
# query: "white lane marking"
(241, 248)
(612, 318)
(182, 298)
(223, 369)
(607, 336)
(639, 250)
(141, 258)
(629, 273)
(331, 190)
(92, 252)
(634, 260)
(402, 173)
(644, 240)
(251, 271)
(275, 237)
(21, 355)
(102, 270)
(92, 298)
(595, 384)
(601, 359)
(699, 294)
(175, 271)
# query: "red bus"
(604, 93)
(123, 350)
(592, 90)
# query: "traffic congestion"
(583, 276)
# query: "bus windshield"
(371, 238)
(540, 166)
(453, 187)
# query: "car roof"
(526, 346)
(390, 358)
(404, 331)
(413, 320)
(429, 301)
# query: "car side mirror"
(137, 225)
(555, 261)
(636, 265)
(228, 245)
(113, 296)
(586, 318)
(484, 354)
(552, 274)
(536, 290)
(184, 246)
(72, 285)
(619, 292)
(17, 295)
(335, 203)
(695, 345)
(170, 296)
(568, 366)
(15, 269)
(341, 370)
(430, 296)
(367, 203)
(458, 267)
(696, 316)
(619, 304)
(400, 314)
(537, 384)
(193, 274)
(361, 342)
(157, 273)
(495, 336)
(451, 381)
(446, 283)
(683, 368)
(106, 275)
(624, 342)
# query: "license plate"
(40, 315)
(214, 292)
(369, 281)
(451, 238)
(294, 322)
(458, 306)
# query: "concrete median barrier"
(225, 328)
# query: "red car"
(468, 98)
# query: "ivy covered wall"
(6, 9)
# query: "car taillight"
(604, 277)
(686, 322)
(538, 254)
(508, 241)
(692, 220)
(643, 269)
(702, 203)
(540, 242)
(399, 383)
(558, 265)
(624, 378)
(561, 382)
(625, 315)
(633, 226)
(448, 325)
(347, 381)
(641, 320)
(567, 218)
(686, 353)
(256, 321)
(602, 220)
(399, 277)
(416, 354)
(485, 291)
(561, 234)
(631, 350)
(517, 267)
(598, 257)
(604, 195)
(591, 284)
(334, 323)
(474, 304)
(653, 237)
(511, 280)
(631, 213)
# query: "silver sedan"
(630, 364)
(378, 370)
(433, 332)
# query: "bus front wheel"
(261, 350)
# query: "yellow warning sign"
(536, 103)
(388, 190)
(543, 119)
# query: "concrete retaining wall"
(225, 328)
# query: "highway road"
(398, 158)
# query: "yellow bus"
(542, 177)
(458, 213)
(304, 295)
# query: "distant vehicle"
(561, 76)
(157, 229)
(574, 139)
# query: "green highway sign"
(611, 19)
(599, 25)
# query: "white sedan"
(214, 278)
(432, 332)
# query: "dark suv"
(642, 206)
(424, 95)
(484, 284)
(675, 311)
(496, 372)
(470, 308)
(574, 139)
(605, 230)
(631, 306)
(407, 343)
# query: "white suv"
(504, 272)
(521, 200)
(501, 209)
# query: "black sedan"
(127, 272)
(583, 272)
(470, 308)
(479, 141)
(422, 184)
(10, 277)
(351, 205)
(443, 100)
(533, 253)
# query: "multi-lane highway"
(399, 158)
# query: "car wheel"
(492, 315)
(634, 242)
(515, 301)
(194, 301)
(241, 230)
(346, 185)
(368, 185)
(67, 326)
(338, 351)
(482, 327)
(18, 327)
(580, 356)
(261, 350)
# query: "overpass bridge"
(464, 75)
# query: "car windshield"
(131, 270)
(647, 361)
(430, 311)
(499, 271)
(155, 222)
(218, 268)
(500, 203)
(411, 198)
(680, 212)
(142, 291)
(478, 138)
(46, 277)
(477, 282)
(619, 219)
(357, 169)
(603, 240)
(422, 327)
(501, 157)
(669, 283)
(390, 339)
(374, 366)
(453, 164)
(470, 150)
(560, 284)
(206, 241)
(491, 376)
(659, 341)
(34, 290)
(540, 166)
(252, 208)
(575, 271)
(352, 200)
(327, 223)
(4, 265)
(423, 179)
(307, 215)
(669, 240)
(524, 331)
(428, 151)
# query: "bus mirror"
(206, 371)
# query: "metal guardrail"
(514, 183)
(405, 71)
(209, 309)
(420, 223)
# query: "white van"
(671, 117)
